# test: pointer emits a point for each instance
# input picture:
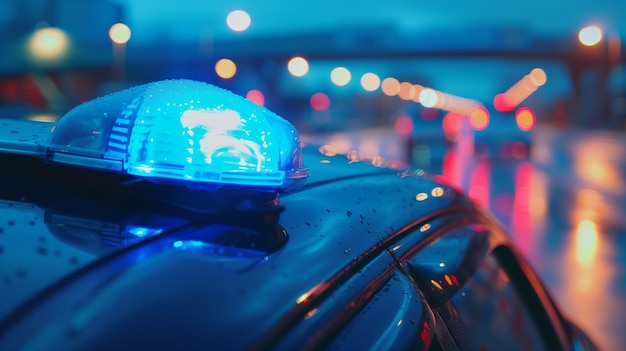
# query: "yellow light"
(298, 66)
(370, 81)
(340, 76)
(48, 44)
(407, 91)
(437, 285)
(479, 118)
(590, 35)
(437, 191)
(225, 68)
(238, 20)
(421, 196)
(119, 33)
(418, 90)
(425, 227)
(538, 77)
(586, 242)
(390, 86)
(525, 119)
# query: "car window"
(467, 287)
(493, 312)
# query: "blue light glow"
(182, 131)
(143, 231)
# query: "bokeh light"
(538, 77)
(452, 123)
(428, 97)
(479, 118)
(407, 91)
(119, 33)
(370, 81)
(403, 125)
(298, 66)
(225, 68)
(590, 35)
(238, 20)
(502, 103)
(320, 102)
(340, 76)
(525, 119)
(256, 96)
(418, 91)
(390, 86)
(48, 44)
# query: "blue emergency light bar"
(175, 131)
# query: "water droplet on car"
(42, 250)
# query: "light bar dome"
(182, 131)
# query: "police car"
(178, 215)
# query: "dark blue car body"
(361, 257)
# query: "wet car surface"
(360, 257)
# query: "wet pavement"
(564, 206)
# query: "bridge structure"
(589, 68)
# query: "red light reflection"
(479, 183)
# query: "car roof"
(347, 213)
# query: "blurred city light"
(320, 102)
(520, 91)
(340, 76)
(428, 97)
(418, 90)
(403, 125)
(256, 96)
(298, 66)
(407, 91)
(538, 77)
(119, 33)
(370, 81)
(48, 45)
(590, 35)
(453, 103)
(452, 124)
(390, 86)
(479, 118)
(225, 68)
(238, 20)
(586, 242)
(525, 118)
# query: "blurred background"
(521, 104)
